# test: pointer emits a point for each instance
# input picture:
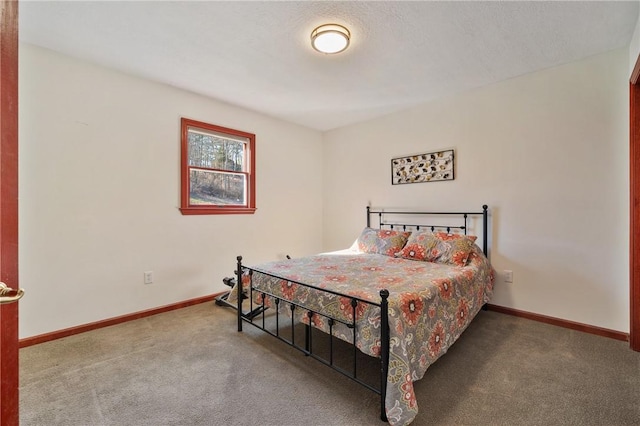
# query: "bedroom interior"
(545, 144)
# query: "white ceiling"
(257, 54)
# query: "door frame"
(634, 207)
(9, 397)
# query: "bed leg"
(384, 351)
(307, 333)
(485, 233)
(239, 291)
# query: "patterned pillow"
(452, 249)
(382, 241)
(422, 245)
(447, 237)
(459, 247)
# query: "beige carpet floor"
(191, 367)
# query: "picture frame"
(429, 167)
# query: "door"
(9, 413)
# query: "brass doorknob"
(9, 295)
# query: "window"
(218, 170)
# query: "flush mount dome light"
(330, 38)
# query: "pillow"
(382, 241)
(446, 237)
(422, 245)
(459, 248)
(440, 247)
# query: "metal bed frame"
(256, 315)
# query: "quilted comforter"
(430, 305)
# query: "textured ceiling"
(257, 54)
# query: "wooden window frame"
(189, 209)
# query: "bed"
(403, 294)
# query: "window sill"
(217, 210)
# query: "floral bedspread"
(430, 305)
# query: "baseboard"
(618, 335)
(30, 341)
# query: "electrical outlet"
(508, 276)
(148, 277)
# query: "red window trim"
(185, 207)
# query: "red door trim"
(634, 206)
(9, 412)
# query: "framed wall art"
(429, 167)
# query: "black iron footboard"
(256, 317)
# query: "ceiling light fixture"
(330, 38)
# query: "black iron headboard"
(384, 215)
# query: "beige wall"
(99, 195)
(548, 152)
(634, 47)
(99, 188)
